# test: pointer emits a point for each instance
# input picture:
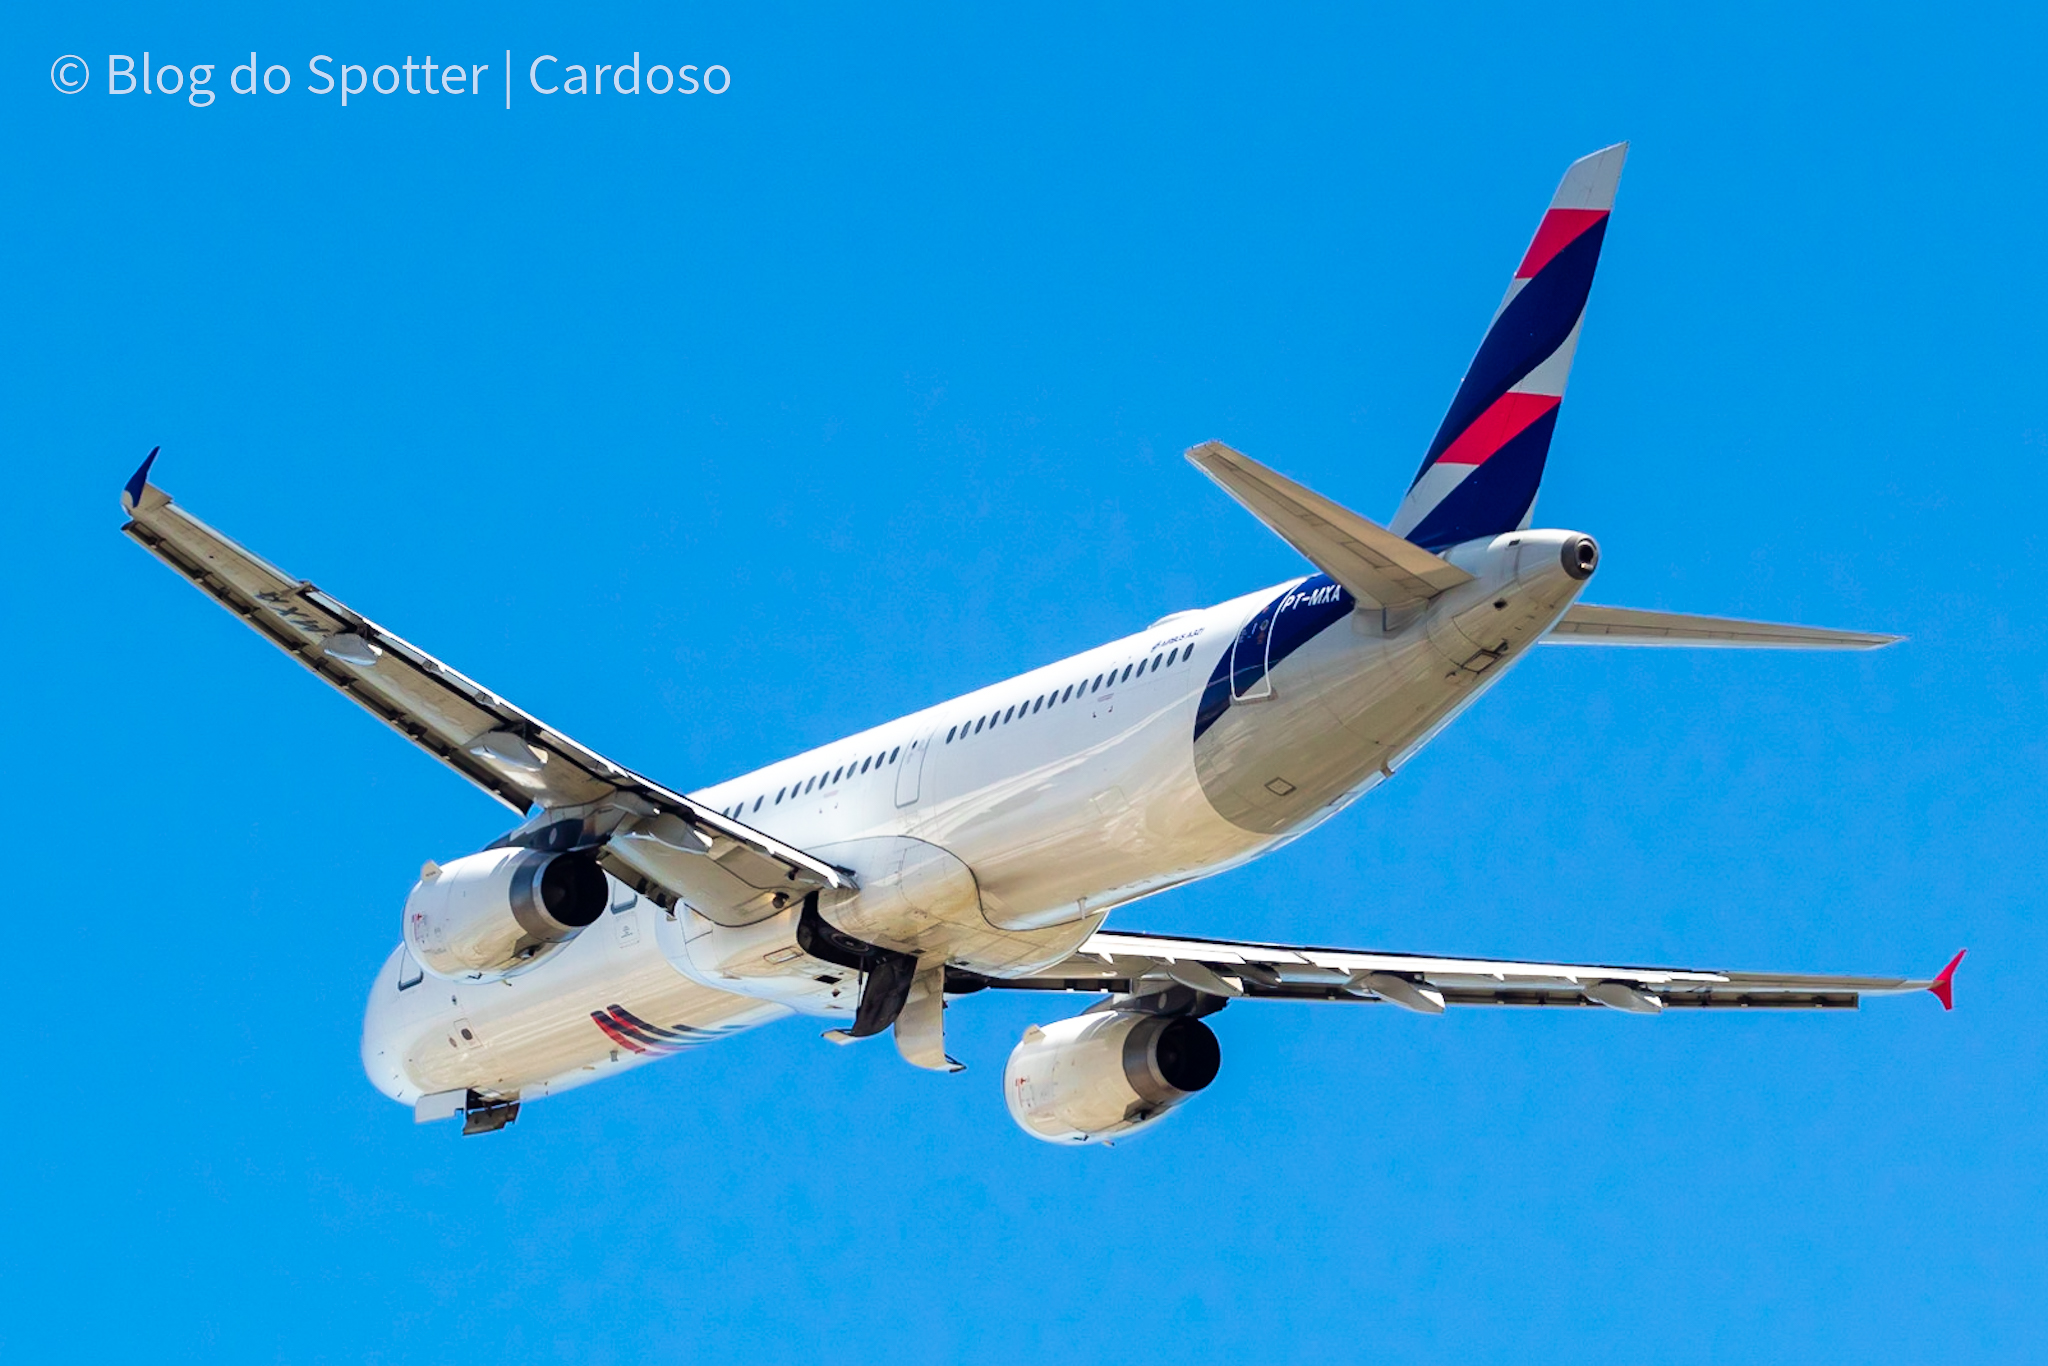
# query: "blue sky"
(710, 429)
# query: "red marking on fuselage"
(613, 1032)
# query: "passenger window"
(1155, 662)
(778, 795)
(894, 752)
(949, 733)
(864, 764)
(757, 803)
(1010, 713)
(1038, 704)
(1127, 674)
(1068, 693)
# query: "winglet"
(131, 493)
(1944, 985)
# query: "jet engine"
(1102, 1075)
(489, 914)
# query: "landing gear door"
(910, 768)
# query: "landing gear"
(481, 1116)
(894, 991)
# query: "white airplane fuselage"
(1006, 823)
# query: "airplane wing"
(1585, 624)
(1372, 562)
(658, 841)
(1138, 965)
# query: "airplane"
(981, 843)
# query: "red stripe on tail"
(1509, 416)
(1560, 228)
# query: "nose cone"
(384, 1033)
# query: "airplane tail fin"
(1482, 470)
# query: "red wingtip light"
(1944, 985)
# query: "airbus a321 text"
(982, 843)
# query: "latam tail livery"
(981, 844)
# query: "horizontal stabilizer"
(1585, 624)
(1372, 562)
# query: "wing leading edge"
(1138, 965)
(657, 840)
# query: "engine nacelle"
(489, 914)
(1100, 1076)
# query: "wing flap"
(1372, 562)
(1141, 964)
(1585, 624)
(515, 757)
